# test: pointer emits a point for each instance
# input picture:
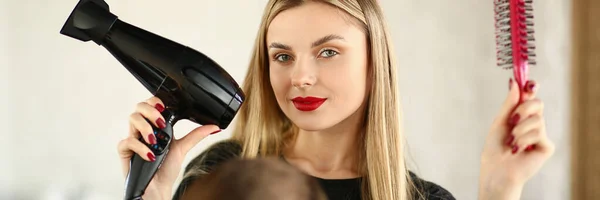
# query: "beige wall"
(68, 101)
(5, 169)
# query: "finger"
(157, 103)
(141, 126)
(190, 140)
(530, 90)
(526, 109)
(133, 132)
(530, 138)
(528, 125)
(128, 147)
(512, 99)
(151, 113)
(534, 140)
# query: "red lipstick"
(308, 103)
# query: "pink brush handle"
(521, 71)
(519, 44)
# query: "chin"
(313, 123)
(311, 126)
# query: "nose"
(304, 75)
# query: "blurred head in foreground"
(261, 179)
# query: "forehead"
(310, 21)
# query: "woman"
(348, 136)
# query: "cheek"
(348, 79)
(279, 83)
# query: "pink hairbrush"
(514, 40)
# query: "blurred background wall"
(586, 100)
(7, 162)
(65, 103)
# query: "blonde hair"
(263, 130)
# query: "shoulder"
(206, 162)
(429, 190)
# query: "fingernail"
(530, 86)
(509, 140)
(215, 132)
(151, 138)
(515, 149)
(161, 123)
(515, 119)
(159, 107)
(151, 156)
(510, 83)
(530, 147)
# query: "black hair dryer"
(190, 84)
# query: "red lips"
(308, 103)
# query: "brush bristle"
(521, 30)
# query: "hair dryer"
(190, 84)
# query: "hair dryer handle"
(141, 171)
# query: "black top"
(338, 189)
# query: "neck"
(329, 153)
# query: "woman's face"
(318, 65)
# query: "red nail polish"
(530, 147)
(515, 149)
(161, 123)
(510, 83)
(509, 140)
(151, 138)
(529, 86)
(159, 107)
(215, 132)
(515, 119)
(151, 156)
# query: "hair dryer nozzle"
(89, 20)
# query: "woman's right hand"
(161, 185)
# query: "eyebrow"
(318, 42)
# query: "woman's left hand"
(516, 147)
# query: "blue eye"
(282, 57)
(328, 53)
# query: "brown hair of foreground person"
(264, 179)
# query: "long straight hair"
(263, 130)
